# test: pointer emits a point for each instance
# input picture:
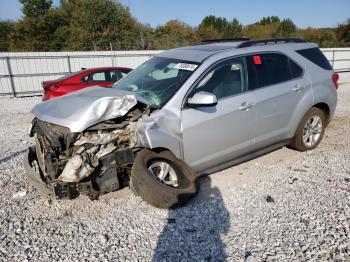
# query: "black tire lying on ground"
(151, 189)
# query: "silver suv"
(186, 112)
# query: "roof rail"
(270, 41)
(210, 41)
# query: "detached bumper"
(31, 168)
(57, 189)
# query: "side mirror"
(202, 99)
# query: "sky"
(304, 13)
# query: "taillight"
(335, 79)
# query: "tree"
(6, 28)
(145, 36)
(286, 28)
(46, 32)
(235, 29)
(100, 24)
(173, 34)
(324, 37)
(257, 31)
(213, 27)
(343, 33)
(35, 8)
(269, 20)
(207, 33)
(105, 24)
(43, 28)
(217, 23)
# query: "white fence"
(22, 73)
(340, 60)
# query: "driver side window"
(225, 80)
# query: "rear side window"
(316, 56)
(295, 70)
(99, 76)
(269, 69)
(103, 76)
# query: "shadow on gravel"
(5, 159)
(193, 232)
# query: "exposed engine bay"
(95, 161)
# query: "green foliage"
(6, 27)
(343, 33)
(100, 25)
(173, 34)
(207, 33)
(35, 8)
(107, 24)
(259, 31)
(213, 27)
(269, 20)
(45, 33)
(286, 28)
(324, 37)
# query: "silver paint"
(84, 108)
(209, 137)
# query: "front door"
(218, 134)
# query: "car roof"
(105, 68)
(199, 52)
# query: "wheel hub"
(312, 131)
(164, 172)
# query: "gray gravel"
(284, 206)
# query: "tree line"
(86, 25)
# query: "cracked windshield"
(158, 79)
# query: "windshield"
(158, 79)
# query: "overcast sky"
(315, 13)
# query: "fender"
(149, 135)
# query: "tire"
(155, 192)
(298, 142)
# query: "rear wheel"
(162, 180)
(310, 130)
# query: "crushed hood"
(82, 109)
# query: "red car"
(102, 76)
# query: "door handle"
(298, 87)
(246, 105)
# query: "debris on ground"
(19, 194)
(269, 199)
(309, 221)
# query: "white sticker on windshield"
(235, 67)
(185, 66)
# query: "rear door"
(278, 84)
(215, 135)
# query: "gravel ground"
(284, 206)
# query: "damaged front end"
(97, 160)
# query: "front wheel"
(162, 180)
(310, 130)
